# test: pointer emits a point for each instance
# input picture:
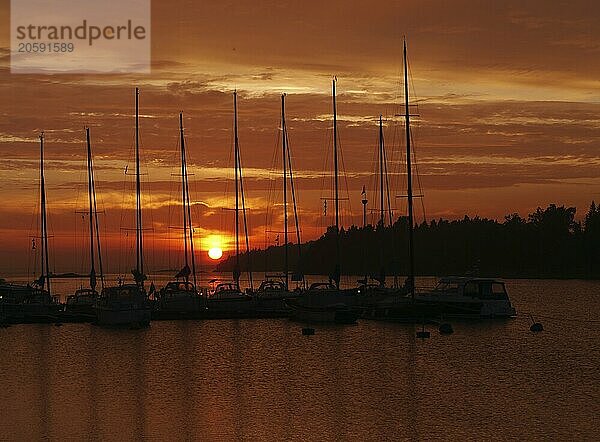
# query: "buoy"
(536, 327)
(446, 329)
(308, 331)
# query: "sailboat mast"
(91, 210)
(96, 222)
(138, 196)
(285, 214)
(237, 196)
(382, 204)
(293, 191)
(381, 199)
(183, 193)
(411, 257)
(45, 264)
(186, 203)
(192, 255)
(337, 199)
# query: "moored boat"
(128, 304)
(227, 291)
(80, 305)
(33, 303)
(466, 297)
(226, 300)
(324, 302)
(123, 305)
(271, 296)
(180, 299)
(453, 297)
(27, 304)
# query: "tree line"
(548, 243)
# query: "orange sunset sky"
(508, 95)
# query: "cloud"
(508, 112)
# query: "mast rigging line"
(248, 263)
(271, 197)
(418, 175)
(285, 215)
(296, 219)
(45, 266)
(188, 228)
(187, 201)
(93, 215)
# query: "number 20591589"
(46, 47)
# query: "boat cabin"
(179, 287)
(228, 290)
(82, 297)
(481, 288)
(271, 286)
(122, 294)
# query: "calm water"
(263, 380)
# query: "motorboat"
(466, 297)
(453, 297)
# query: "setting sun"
(215, 253)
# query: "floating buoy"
(307, 331)
(536, 327)
(446, 329)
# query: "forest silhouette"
(549, 243)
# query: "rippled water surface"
(263, 380)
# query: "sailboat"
(180, 298)
(465, 297)
(227, 297)
(128, 304)
(80, 305)
(273, 292)
(33, 303)
(400, 305)
(373, 292)
(326, 301)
